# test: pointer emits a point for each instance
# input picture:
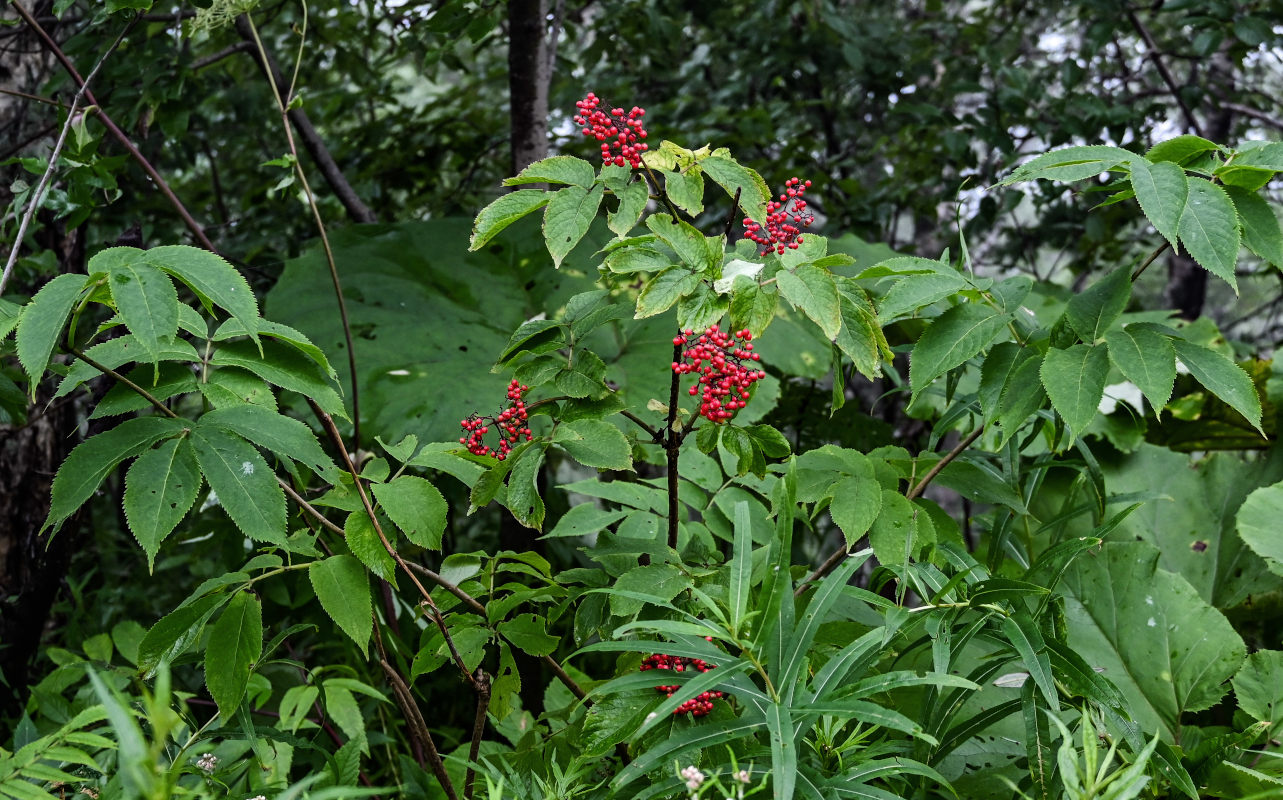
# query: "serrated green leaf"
(566, 219)
(416, 507)
(1022, 394)
(160, 488)
(229, 386)
(174, 633)
(1261, 232)
(341, 585)
(1092, 312)
(503, 212)
(701, 308)
(43, 318)
(583, 520)
(145, 297)
(953, 338)
(556, 169)
(175, 379)
(584, 378)
(734, 177)
(1258, 525)
(752, 306)
(94, 459)
(283, 333)
(1161, 189)
(900, 530)
(861, 338)
(857, 502)
(632, 202)
(235, 643)
(595, 443)
(285, 367)
(663, 290)
(1023, 634)
(630, 260)
(1258, 688)
(1223, 378)
(214, 281)
(1070, 164)
(685, 239)
(812, 291)
(523, 498)
(1075, 382)
(245, 484)
(364, 542)
(1180, 149)
(917, 290)
(526, 632)
(686, 190)
(1209, 229)
(284, 436)
(1147, 359)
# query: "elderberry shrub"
(617, 131)
(510, 424)
(781, 234)
(719, 359)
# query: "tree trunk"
(528, 76)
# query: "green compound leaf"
(595, 443)
(122, 350)
(160, 488)
(566, 219)
(812, 291)
(1261, 232)
(557, 169)
(148, 302)
(663, 290)
(214, 281)
(235, 643)
(416, 507)
(245, 484)
(1162, 645)
(1209, 229)
(953, 338)
(1147, 359)
(1223, 378)
(341, 585)
(1091, 313)
(734, 177)
(284, 436)
(1161, 189)
(1258, 525)
(94, 459)
(42, 321)
(503, 212)
(1075, 382)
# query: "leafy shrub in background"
(697, 595)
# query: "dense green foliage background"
(976, 659)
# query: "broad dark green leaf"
(43, 318)
(857, 501)
(503, 212)
(1221, 377)
(1258, 688)
(342, 587)
(160, 488)
(246, 486)
(917, 290)
(734, 177)
(632, 202)
(686, 190)
(684, 238)
(174, 633)
(701, 308)
(812, 291)
(416, 507)
(527, 633)
(285, 367)
(1209, 229)
(1091, 313)
(95, 458)
(585, 519)
(523, 491)
(1070, 164)
(900, 530)
(595, 443)
(953, 338)
(663, 290)
(567, 217)
(364, 542)
(235, 643)
(1075, 382)
(752, 306)
(1180, 149)
(1161, 190)
(123, 350)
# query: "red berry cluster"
(697, 706)
(510, 424)
(617, 131)
(723, 379)
(780, 232)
